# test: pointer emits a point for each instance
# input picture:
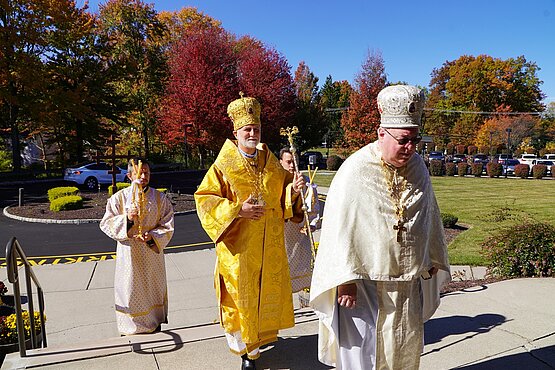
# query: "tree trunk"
(14, 136)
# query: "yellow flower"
(8, 326)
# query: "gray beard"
(249, 144)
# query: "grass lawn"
(485, 205)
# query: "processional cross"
(290, 132)
(115, 170)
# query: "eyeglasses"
(405, 140)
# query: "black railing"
(14, 253)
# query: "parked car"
(438, 156)
(549, 156)
(546, 162)
(91, 174)
(312, 158)
(458, 158)
(501, 158)
(480, 158)
(527, 159)
(509, 166)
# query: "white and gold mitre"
(401, 106)
(244, 111)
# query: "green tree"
(24, 27)
(334, 102)
(309, 118)
(136, 38)
(79, 99)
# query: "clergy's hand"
(145, 237)
(250, 210)
(347, 295)
(133, 214)
(298, 182)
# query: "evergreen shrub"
(449, 220)
(462, 169)
(494, 169)
(450, 169)
(522, 170)
(522, 250)
(477, 169)
(66, 203)
(436, 167)
(61, 191)
(539, 171)
(119, 186)
(334, 162)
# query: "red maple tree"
(265, 75)
(202, 83)
(360, 123)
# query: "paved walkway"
(505, 325)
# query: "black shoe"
(247, 364)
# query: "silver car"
(92, 174)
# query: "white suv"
(527, 159)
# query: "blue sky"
(334, 37)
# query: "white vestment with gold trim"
(359, 241)
(140, 287)
(298, 244)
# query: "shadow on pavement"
(437, 329)
(295, 353)
(528, 360)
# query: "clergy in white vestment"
(297, 242)
(382, 255)
(140, 219)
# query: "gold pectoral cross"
(400, 227)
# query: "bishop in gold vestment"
(252, 274)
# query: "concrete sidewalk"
(505, 325)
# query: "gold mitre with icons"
(401, 106)
(244, 111)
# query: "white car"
(548, 163)
(92, 174)
(527, 159)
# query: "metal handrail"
(14, 252)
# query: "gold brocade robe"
(252, 274)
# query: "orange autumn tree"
(360, 123)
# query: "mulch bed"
(94, 206)
(457, 285)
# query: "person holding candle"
(140, 219)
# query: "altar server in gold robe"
(297, 241)
(140, 219)
(242, 203)
(382, 235)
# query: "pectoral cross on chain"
(400, 227)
